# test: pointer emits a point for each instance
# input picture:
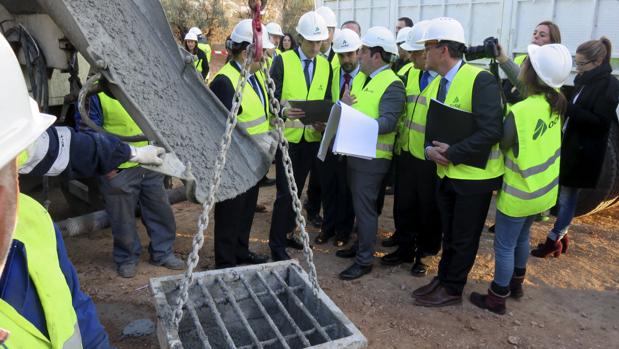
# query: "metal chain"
(292, 185)
(203, 220)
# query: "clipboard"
(315, 111)
(450, 125)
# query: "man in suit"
(379, 94)
(337, 202)
(464, 192)
(300, 74)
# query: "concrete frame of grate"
(164, 289)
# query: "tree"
(204, 14)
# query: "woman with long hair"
(532, 146)
(200, 61)
(287, 43)
(590, 112)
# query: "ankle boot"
(494, 301)
(515, 284)
(550, 247)
(565, 242)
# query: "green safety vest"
(520, 59)
(531, 180)
(35, 230)
(368, 102)
(412, 129)
(460, 96)
(252, 120)
(405, 68)
(294, 88)
(278, 51)
(335, 83)
(335, 61)
(116, 120)
(208, 51)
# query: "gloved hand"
(148, 155)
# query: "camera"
(489, 49)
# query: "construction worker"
(464, 192)
(275, 36)
(128, 187)
(415, 213)
(41, 303)
(352, 25)
(532, 162)
(403, 22)
(339, 215)
(331, 20)
(403, 64)
(200, 59)
(380, 95)
(234, 217)
(300, 74)
(203, 43)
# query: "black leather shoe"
(429, 288)
(267, 182)
(346, 253)
(253, 258)
(396, 258)
(390, 241)
(355, 271)
(322, 238)
(419, 269)
(292, 243)
(440, 297)
(280, 255)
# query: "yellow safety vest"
(520, 59)
(294, 88)
(208, 51)
(36, 231)
(335, 83)
(335, 61)
(252, 120)
(412, 130)
(531, 180)
(116, 120)
(278, 51)
(405, 68)
(460, 96)
(368, 102)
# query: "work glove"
(148, 155)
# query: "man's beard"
(8, 209)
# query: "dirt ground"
(570, 302)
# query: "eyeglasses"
(582, 64)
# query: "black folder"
(450, 125)
(315, 111)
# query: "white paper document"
(352, 133)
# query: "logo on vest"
(541, 128)
(456, 103)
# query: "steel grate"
(263, 306)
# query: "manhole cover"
(260, 306)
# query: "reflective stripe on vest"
(116, 120)
(460, 96)
(36, 231)
(252, 119)
(368, 102)
(294, 88)
(531, 180)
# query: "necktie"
(424, 80)
(308, 79)
(442, 90)
(347, 79)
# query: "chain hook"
(256, 6)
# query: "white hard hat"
(414, 35)
(266, 42)
(346, 41)
(380, 37)
(402, 35)
(196, 31)
(328, 15)
(274, 29)
(191, 36)
(312, 27)
(21, 121)
(552, 63)
(243, 32)
(444, 29)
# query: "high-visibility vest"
(412, 129)
(335, 61)
(116, 120)
(35, 230)
(460, 96)
(208, 51)
(531, 180)
(405, 69)
(252, 120)
(294, 88)
(368, 102)
(335, 83)
(520, 59)
(278, 51)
